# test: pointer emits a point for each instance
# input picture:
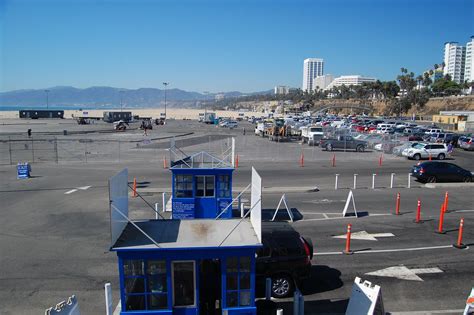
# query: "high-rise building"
(322, 81)
(349, 80)
(454, 57)
(282, 89)
(313, 67)
(469, 62)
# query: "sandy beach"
(174, 113)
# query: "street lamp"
(121, 99)
(47, 98)
(166, 85)
(206, 93)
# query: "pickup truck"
(343, 142)
(311, 135)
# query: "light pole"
(121, 98)
(47, 98)
(166, 85)
(206, 93)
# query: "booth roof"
(179, 234)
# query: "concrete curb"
(448, 185)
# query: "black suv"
(432, 172)
(285, 258)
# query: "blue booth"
(199, 266)
(202, 187)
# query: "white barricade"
(469, 304)
(67, 307)
(365, 299)
(350, 197)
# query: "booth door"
(205, 202)
(184, 287)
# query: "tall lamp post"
(166, 85)
(206, 93)
(47, 98)
(121, 100)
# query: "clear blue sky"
(219, 45)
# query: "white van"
(433, 131)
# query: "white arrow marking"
(363, 235)
(403, 273)
(70, 191)
(84, 187)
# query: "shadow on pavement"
(322, 279)
(326, 307)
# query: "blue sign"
(23, 170)
(222, 205)
(183, 209)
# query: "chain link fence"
(55, 150)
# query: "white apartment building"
(469, 62)
(348, 80)
(322, 81)
(454, 57)
(313, 67)
(282, 89)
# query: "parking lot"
(55, 226)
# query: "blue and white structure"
(199, 266)
(202, 187)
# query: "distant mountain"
(98, 96)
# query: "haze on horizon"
(210, 45)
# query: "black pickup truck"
(343, 142)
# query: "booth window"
(145, 290)
(157, 284)
(205, 186)
(183, 283)
(238, 281)
(183, 186)
(223, 186)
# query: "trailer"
(111, 117)
(41, 113)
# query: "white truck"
(261, 128)
(311, 135)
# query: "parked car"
(432, 172)
(415, 138)
(285, 258)
(425, 150)
(343, 142)
(467, 144)
(433, 131)
(230, 124)
(398, 150)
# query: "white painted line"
(70, 191)
(428, 312)
(461, 211)
(84, 187)
(376, 251)
(325, 216)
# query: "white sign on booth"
(118, 199)
(256, 204)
